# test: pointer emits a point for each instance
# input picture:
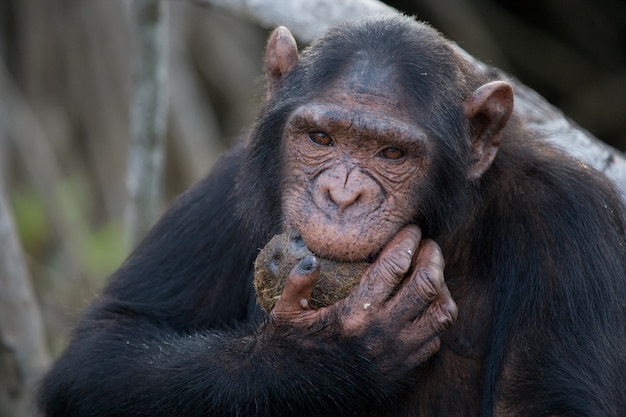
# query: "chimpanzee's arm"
(140, 368)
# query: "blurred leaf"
(30, 217)
(73, 196)
(104, 250)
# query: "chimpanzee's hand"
(397, 312)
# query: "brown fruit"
(282, 254)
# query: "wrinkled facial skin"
(355, 161)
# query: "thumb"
(298, 287)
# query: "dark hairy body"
(376, 136)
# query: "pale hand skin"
(400, 308)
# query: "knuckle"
(394, 266)
(444, 317)
(429, 282)
(451, 308)
(352, 319)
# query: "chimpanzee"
(377, 135)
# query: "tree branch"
(306, 19)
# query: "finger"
(426, 330)
(436, 320)
(424, 352)
(298, 286)
(391, 265)
(429, 253)
(447, 311)
(426, 281)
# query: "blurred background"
(66, 77)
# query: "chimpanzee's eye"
(321, 138)
(392, 153)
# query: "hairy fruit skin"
(283, 253)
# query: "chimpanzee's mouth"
(297, 245)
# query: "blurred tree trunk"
(144, 177)
(23, 353)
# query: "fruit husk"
(276, 260)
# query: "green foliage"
(104, 250)
(97, 249)
(30, 218)
(100, 247)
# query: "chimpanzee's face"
(355, 162)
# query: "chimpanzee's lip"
(295, 235)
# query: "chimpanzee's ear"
(488, 110)
(281, 56)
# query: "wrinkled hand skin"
(397, 312)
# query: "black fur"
(535, 253)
